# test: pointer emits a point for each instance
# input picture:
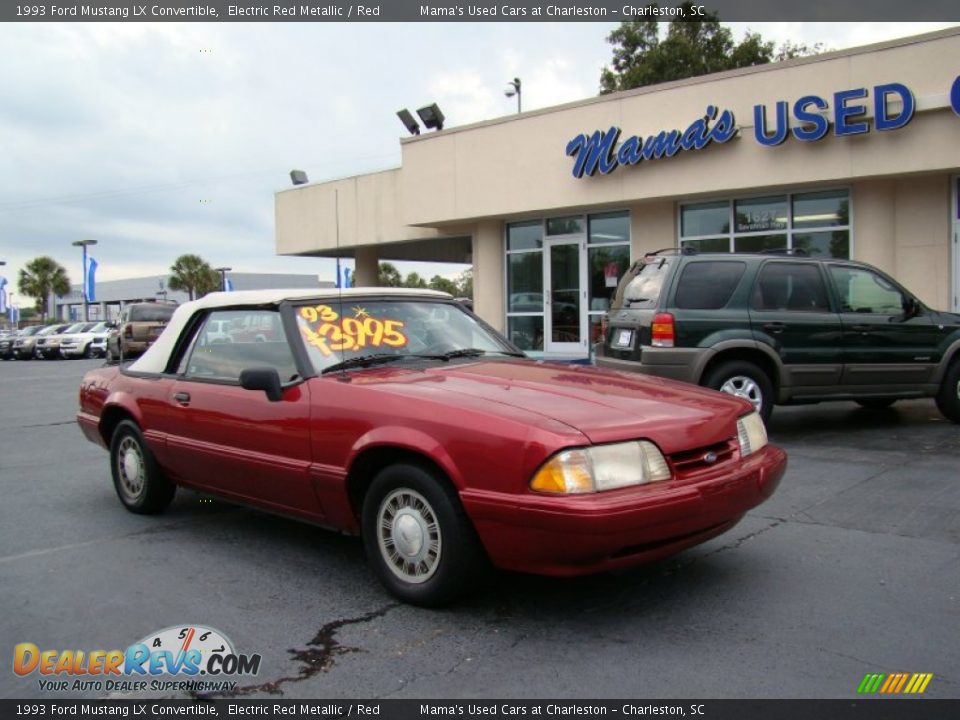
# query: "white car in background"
(85, 344)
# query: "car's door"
(888, 337)
(790, 311)
(236, 441)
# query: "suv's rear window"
(151, 313)
(708, 285)
(642, 290)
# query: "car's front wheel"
(948, 399)
(417, 536)
(744, 380)
(139, 482)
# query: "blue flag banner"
(14, 314)
(90, 280)
(346, 277)
(228, 285)
(3, 294)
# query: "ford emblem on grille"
(710, 457)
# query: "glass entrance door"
(564, 300)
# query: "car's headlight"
(601, 467)
(751, 433)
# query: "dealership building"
(851, 154)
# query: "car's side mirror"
(263, 378)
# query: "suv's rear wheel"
(745, 380)
(948, 399)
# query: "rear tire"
(876, 403)
(138, 480)
(948, 399)
(745, 380)
(417, 536)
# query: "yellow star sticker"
(360, 312)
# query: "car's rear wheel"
(876, 403)
(88, 351)
(744, 380)
(417, 536)
(139, 482)
(948, 399)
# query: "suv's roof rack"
(800, 252)
(683, 250)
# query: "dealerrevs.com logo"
(179, 658)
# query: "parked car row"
(138, 325)
(53, 342)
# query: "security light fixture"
(413, 127)
(431, 116)
(514, 89)
(298, 177)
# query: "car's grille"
(703, 458)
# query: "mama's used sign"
(808, 119)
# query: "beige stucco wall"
(513, 166)
(475, 178)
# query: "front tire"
(417, 536)
(745, 380)
(948, 398)
(138, 480)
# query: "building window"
(817, 222)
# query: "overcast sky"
(162, 139)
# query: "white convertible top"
(154, 360)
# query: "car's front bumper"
(580, 534)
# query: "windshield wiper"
(472, 352)
(364, 361)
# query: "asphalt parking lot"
(852, 567)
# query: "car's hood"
(603, 405)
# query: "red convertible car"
(400, 416)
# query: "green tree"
(465, 284)
(388, 275)
(443, 284)
(40, 277)
(690, 48)
(194, 275)
(413, 280)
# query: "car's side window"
(230, 341)
(708, 285)
(864, 291)
(794, 287)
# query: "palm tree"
(193, 274)
(40, 277)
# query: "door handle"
(182, 397)
(861, 328)
(775, 327)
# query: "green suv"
(782, 328)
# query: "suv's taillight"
(128, 330)
(662, 331)
(604, 326)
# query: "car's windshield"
(335, 333)
(151, 313)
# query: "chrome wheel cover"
(408, 536)
(131, 470)
(744, 387)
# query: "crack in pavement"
(317, 657)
